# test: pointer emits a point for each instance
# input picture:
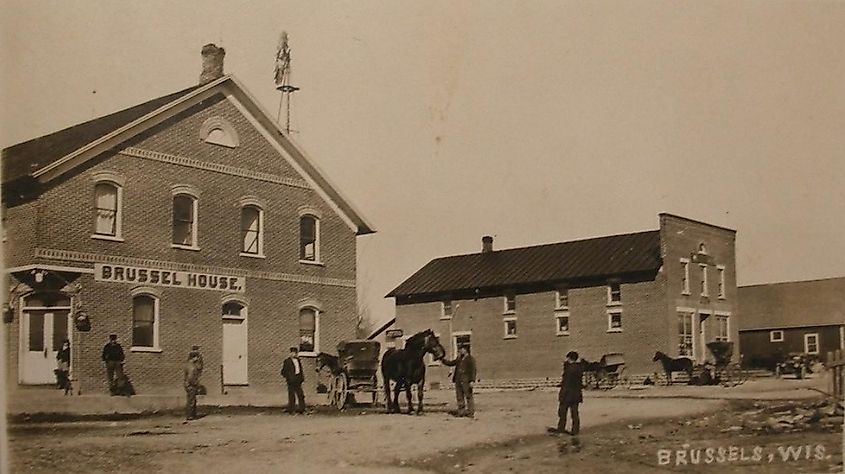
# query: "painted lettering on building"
(168, 278)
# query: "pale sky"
(533, 122)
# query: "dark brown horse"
(330, 361)
(681, 364)
(406, 367)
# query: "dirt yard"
(508, 435)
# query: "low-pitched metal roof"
(599, 257)
(792, 304)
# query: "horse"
(681, 364)
(330, 361)
(406, 367)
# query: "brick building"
(798, 316)
(520, 310)
(190, 219)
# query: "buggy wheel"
(341, 391)
(330, 393)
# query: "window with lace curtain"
(252, 229)
(309, 239)
(308, 330)
(107, 210)
(184, 221)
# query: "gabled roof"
(48, 157)
(30, 156)
(601, 257)
(791, 304)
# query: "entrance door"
(702, 337)
(461, 339)
(42, 334)
(234, 345)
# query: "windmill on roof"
(282, 77)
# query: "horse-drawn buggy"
(353, 372)
(606, 373)
(725, 371)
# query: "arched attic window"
(219, 131)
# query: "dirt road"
(718, 442)
(358, 440)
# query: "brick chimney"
(212, 63)
(486, 244)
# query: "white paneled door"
(42, 334)
(234, 351)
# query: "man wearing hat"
(195, 350)
(113, 358)
(193, 370)
(294, 376)
(570, 395)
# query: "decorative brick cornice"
(87, 257)
(216, 167)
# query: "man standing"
(570, 395)
(463, 377)
(292, 372)
(113, 358)
(192, 384)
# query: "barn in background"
(793, 317)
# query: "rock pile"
(823, 415)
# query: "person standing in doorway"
(113, 358)
(63, 367)
(463, 377)
(192, 374)
(570, 395)
(294, 377)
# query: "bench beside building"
(521, 310)
(190, 219)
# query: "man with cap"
(113, 358)
(570, 395)
(195, 350)
(294, 376)
(463, 377)
(192, 372)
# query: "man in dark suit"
(294, 376)
(113, 358)
(570, 395)
(463, 377)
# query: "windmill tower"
(282, 79)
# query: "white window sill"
(252, 255)
(614, 303)
(779, 340)
(445, 318)
(145, 349)
(112, 238)
(614, 330)
(566, 333)
(312, 262)
(509, 337)
(686, 293)
(185, 247)
(509, 313)
(562, 308)
(307, 354)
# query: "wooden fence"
(836, 365)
